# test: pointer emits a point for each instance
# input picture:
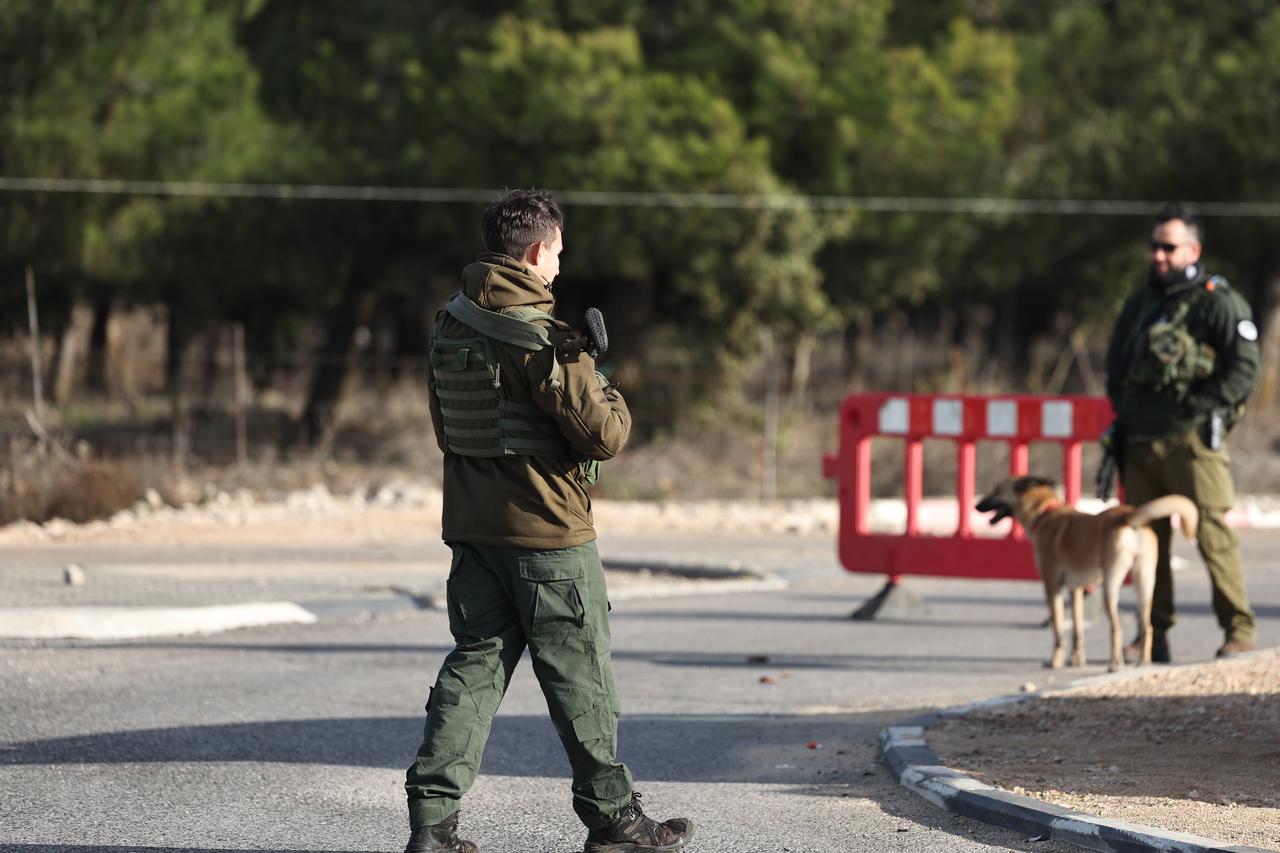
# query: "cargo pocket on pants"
(589, 725)
(556, 602)
(448, 731)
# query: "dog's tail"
(1165, 507)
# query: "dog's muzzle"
(1001, 510)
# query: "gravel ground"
(1190, 748)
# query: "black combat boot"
(1159, 650)
(439, 836)
(632, 832)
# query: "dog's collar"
(1048, 508)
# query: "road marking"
(122, 623)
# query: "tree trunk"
(859, 348)
(73, 351)
(1008, 348)
(802, 367)
(334, 357)
(413, 327)
(1269, 341)
(175, 380)
(97, 381)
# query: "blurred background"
(226, 225)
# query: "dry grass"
(385, 434)
(81, 491)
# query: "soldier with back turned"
(524, 420)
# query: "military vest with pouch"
(480, 418)
(1167, 356)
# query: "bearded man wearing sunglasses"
(1182, 359)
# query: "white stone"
(57, 527)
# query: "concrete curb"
(905, 751)
(126, 623)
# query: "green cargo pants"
(1184, 465)
(500, 600)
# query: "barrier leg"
(966, 462)
(862, 486)
(1018, 461)
(893, 601)
(1018, 455)
(1071, 461)
(913, 483)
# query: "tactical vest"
(479, 417)
(1167, 356)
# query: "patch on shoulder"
(1247, 330)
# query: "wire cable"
(974, 205)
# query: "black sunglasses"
(1167, 248)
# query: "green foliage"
(132, 90)
(756, 97)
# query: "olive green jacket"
(528, 501)
(1219, 317)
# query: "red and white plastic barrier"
(1018, 421)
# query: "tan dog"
(1074, 549)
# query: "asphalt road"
(295, 738)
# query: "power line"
(976, 205)
(206, 189)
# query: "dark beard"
(1175, 276)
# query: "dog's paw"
(1115, 666)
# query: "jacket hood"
(496, 281)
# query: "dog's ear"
(1022, 484)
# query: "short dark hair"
(518, 219)
(1177, 210)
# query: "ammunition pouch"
(479, 419)
(1170, 358)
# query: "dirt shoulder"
(402, 512)
(1193, 748)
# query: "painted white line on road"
(122, 623)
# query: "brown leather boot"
(1234, 647)
(442, 836)
(632, 832)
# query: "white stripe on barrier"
(894, 416)
(1056, 419)
(948, 417)
(1002, 417)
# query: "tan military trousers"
(1184, 465)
